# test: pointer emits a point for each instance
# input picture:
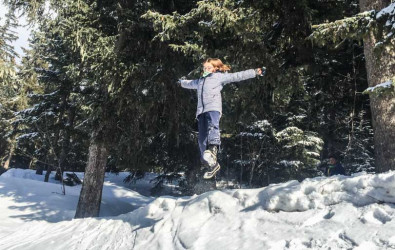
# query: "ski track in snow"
(339, 212)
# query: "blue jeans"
(208, 124)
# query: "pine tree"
(374, 25)
(244, 33)
(381, 68)
(359, 154)
(117, 71)
(9, 87)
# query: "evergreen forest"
(97, 90)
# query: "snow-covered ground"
(339, 212)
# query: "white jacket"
(209, 88)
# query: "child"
(209, 106)
(334, 167)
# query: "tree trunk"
(65, 144)
(92, 186)
(380, 68)
(47, 173)
(252, 173)
(7, 162)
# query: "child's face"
(332, 160)
(208, 67)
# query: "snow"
(34, 194)
(297, 118)
(339, 212)
(386, 84)
(27, 136)
(389, 10)
(262, 125)
(378, 44)
(290, 163)
(247, 134)
(287, 132)
(205, 23)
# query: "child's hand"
(182, 78)
(260, 71)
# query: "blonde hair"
(218, 64)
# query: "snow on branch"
(348, 28)
(381, 87)
(388, 11)
(381, 22)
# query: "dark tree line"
(97, 90)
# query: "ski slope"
(339, 212)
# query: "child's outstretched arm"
(240, 76)
(189, 84)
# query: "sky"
(23, 32)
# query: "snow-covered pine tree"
(376, 27)
(359, 153)
(8, 87)
(274, 34)
(143, 121)
(47, 127)
(256, 153)
(300, 152)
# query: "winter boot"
(210, 155)
(214, 170)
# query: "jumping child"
(209, 106)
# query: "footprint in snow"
(381, 215)
(376, 215)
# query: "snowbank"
(24, 197)
(338, 212)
